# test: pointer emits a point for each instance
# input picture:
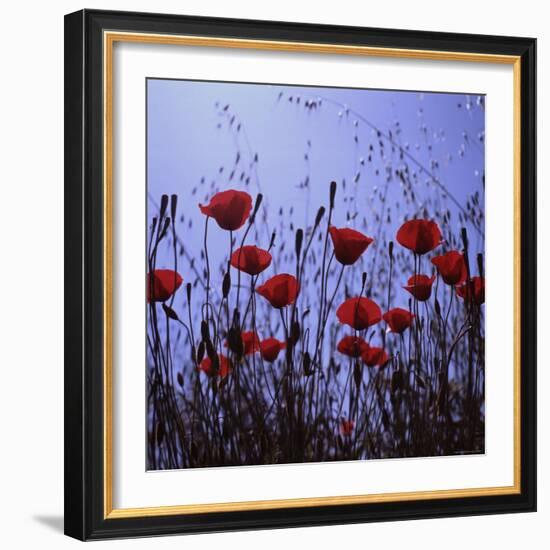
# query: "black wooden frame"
(84, 517)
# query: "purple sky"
(202, 136)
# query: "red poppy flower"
(475, 292)
(352, 346)
(359, 313)
(270, 349)
(374, 356)
(224, 367)
(251, 259)
(452, 267)
(229, 208)
(346, 427)
(398, 319)
(280, 291)
(348, 244)
(251, 342)
(164, 283)
(420, 236)
(420, 286)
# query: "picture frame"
(90, 203)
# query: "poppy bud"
(390, 250)
(173, 206)
(210, 350)
(165, 228)
(332, 193)
(170, 312)
(200, 351)
(163, 205)
(235, 341)
(259, 199)
(153, 224)
(289, 351)
(295, 332)
(236, 318)
(319, 217)
(272, 242)
(464, 235)
(188, 287)
(298, 242)
(364, 279)
(437, 307)
(180, 379)
(306, 362)
(226, 284)
(205, 332)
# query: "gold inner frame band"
(109, 39)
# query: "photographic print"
(314, 280)
(277, 237)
